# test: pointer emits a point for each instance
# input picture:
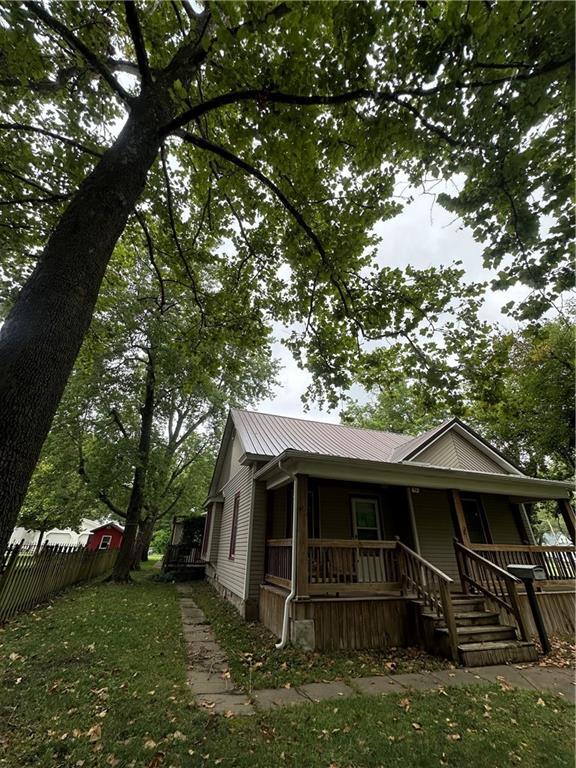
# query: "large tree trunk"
(123, 563)
(145, 532)
(43, 333)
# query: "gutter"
(285, 621)
(423, 475)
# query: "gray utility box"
(528, 572)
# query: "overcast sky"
(423, 235)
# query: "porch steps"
(482, 638)
(502, 652)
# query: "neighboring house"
(338, 537)
(66, 536)
(106, 536)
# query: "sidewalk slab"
(419, 681)
(272, 698)
(561, 681)
(206, 683)
(226, 703)
(501, 673)
(449, 677)
(325, 691)
(379, 684)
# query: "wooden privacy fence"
(29, 576)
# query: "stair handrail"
(486, 577)
(432, 586)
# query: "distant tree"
(281, 128)
(516, 388)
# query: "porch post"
(460, 519)
(568, 515)
(301, 541)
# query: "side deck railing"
(481, 576)
(559, 563)
(181, 555)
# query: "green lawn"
(98, 679)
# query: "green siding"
(435, 530)
(501, 519)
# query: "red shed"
(107, 536)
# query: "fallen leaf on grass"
(156, 761)
(405, 704)
(454, 737)
(94, 733)
(150, 744)
(417, 726)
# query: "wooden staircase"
(468, 626)
(482, 639)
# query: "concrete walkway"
(210, 682)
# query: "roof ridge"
(325, 423)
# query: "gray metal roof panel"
(266, 434)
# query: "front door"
(366, 521)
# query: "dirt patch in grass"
(255, 663)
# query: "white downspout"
(292, 593)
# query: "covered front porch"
(363, 553)
(341, 549)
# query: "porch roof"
(278, 471)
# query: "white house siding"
(231, 464)
(452, 450)
(231, 574)
(435, 530)
(501, 519)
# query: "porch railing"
(180, 554)
(432, 586)
(480, 575)
(278, 562)
(559, 563)
(346, 562)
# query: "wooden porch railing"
(278, 562)
(356, 562)
(432, 587)
(179, 554)
(480, 575)
(559, 563)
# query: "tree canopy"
(516, 388)
(272, 135)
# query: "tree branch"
(44, 132)
(152, 259)
(89, 56)
(224, 153)
(264, 97)
(138, 40)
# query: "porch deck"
(370, 594)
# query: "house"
(106, 536)
(66, 536)
(338, 537)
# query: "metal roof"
(267, 435)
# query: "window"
(206, 536)
(234, 529)
(366, 519)
(105, 542)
